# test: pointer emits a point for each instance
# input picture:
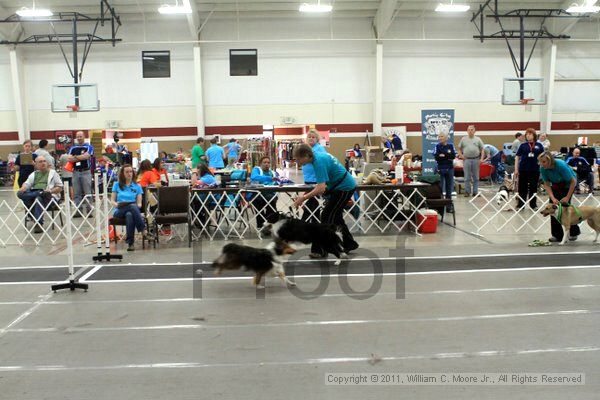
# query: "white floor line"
(305, 323)
(26, 314)
(365, 275)
(90, 273)
(309, 361)
(329, 260)
(325, 295)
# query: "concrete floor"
(136, 335)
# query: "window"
(243, 62)
(156, 64)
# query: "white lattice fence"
(492, 215)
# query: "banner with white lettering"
(434, 122)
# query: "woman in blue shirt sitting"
(266, 203)
(127, 199)
(201, 179)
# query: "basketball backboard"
(82, 95)
(523, 91)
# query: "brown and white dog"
(569, 217)
(263, 262)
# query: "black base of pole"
(107, 257)
(71, 285)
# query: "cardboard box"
(374, 154)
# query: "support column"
(198, 92)
(20, 100)
(377, 97)
(549, 71)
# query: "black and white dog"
(502, 195)
(286, 229)
(261, 261)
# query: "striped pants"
(333, 213)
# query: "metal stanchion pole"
(97, 213)
(103, 225)
(72, 284)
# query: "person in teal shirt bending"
(264, 204)
(215, 155)
(233, 151)
(332, 178)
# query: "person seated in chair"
(203, 178)
(38, 190)
(582, 169)
(265, 203)
(127, 199)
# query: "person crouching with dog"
(559, 181)
(335, 181)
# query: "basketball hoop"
(526, 101)
(73, 108)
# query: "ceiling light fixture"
(452, 7)
(34, 12)
(315, 8)
(175, 9)
(585, 8)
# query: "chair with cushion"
(174, 208)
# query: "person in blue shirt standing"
(332, 178)
(127, 199)
(233, 151)
(582, 169)
(527, 169)
(494, 157)
(312, 205)
(264, 204)
(559, 182)
(444, 155)
(80, 155)
(215, 155)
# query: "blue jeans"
(495, 161)
(133, 220)
(471, 169)
(34, 199)
(447, 181)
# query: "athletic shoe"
(38, 229)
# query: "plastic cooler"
(429, 219)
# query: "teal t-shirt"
(560, 173)
(307, 169)
(128, 194)
(215, 155)
(329, 170)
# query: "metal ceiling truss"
(520, 34)
(107, 15)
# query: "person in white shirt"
(38, 190)
(41, 151)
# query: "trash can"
(429, 219)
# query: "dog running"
(287, 230)
(263, 262)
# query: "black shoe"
(77, 215)
(38, 229)
(130, 248)
(317, 256)
(553, 240)
(572, 238)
